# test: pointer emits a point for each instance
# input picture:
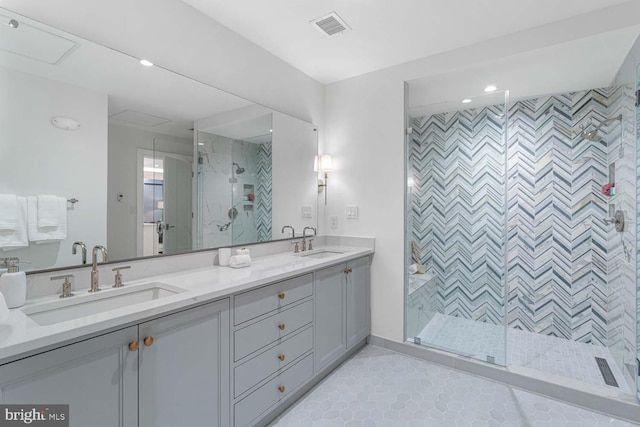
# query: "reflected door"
(177, 205)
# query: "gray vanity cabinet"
(97, 378)
(184, 368)
(341, 309)
(170, 371)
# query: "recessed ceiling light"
(466, 101)
(200, 143)
(271, 130)
(13, 23)
(491, 88)
(146, 63)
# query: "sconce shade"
(323, 163)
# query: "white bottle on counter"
(13, 284)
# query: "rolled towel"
(243, 251)
(48, 210)
(239, 261)
(8, 211)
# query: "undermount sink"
(91, 304)
(321, 253)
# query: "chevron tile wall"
(263, 193)
(457, 209)
(560, 253)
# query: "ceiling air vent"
(330, 24)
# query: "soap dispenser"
(13, 284)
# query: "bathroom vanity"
(227, 347)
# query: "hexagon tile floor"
(378, 387)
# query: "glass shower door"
(456, 228)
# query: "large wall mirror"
(101, 149)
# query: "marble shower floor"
(378, 387)
(543, 353)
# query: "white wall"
(37, 158)
(365, 123)
(124, 143)
(293, 179)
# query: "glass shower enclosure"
(514, 256)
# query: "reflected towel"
(46, 234)
(12, 239)
(48, 206)
(8, 211)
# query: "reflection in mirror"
(159, 164)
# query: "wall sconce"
(323, 163)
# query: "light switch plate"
(306, 212)
(334, 221)
(352, 211)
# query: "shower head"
(238, 170)
(592, 135)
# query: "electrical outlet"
(352, 212)
(306, 212)
(334, 221)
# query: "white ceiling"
(585, 63)
(384, 33)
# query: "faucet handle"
(296, 249)
(118, 277)
(66, 286)
(310, 244)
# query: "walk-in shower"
(512, 258)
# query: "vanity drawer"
(252, 304)
(253, 337)
(258, 402)
(270, 361)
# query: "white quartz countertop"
(19, 334)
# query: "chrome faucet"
(304, 236)
(95, 286)
(84, 250)
(293, 232)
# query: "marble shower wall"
(221, 191)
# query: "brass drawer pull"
(281, 326)
(281, 389)
(148, 341)
(133, 345)
(281, 357)
(281, 295)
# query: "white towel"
(12, 239)
(45, 234)
(239, 261)
(8, 211)
(48, 206)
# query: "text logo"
(34, 415)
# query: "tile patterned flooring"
(544, 353)
(378, 387)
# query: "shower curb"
(626, 408)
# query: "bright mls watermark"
(34, 415)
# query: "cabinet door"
(97, 378)
(329, 297)
(184, 369)
(358, 318)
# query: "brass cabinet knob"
(281, 326)
(281, 295)
(281, 389)
(133, 345)
(349, 270)
(281, 357)
(148, 341)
